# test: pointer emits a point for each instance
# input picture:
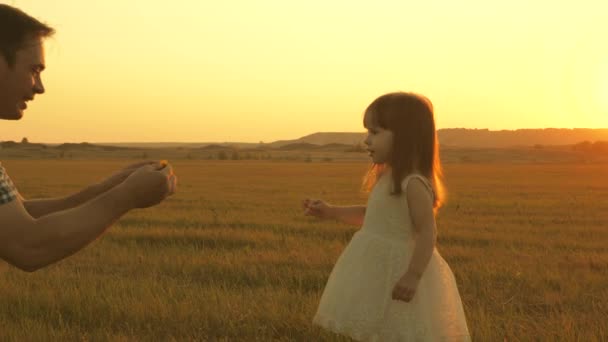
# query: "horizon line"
(303, 136)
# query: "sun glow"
(603, 89)
(273, 70)
(585, 93)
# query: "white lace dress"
(357, 298)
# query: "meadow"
(231, 257)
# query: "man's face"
(19, 83)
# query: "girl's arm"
(420, 204)
(352, 214)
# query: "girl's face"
(379, 142)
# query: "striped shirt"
(8, 192)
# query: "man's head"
(21, 60)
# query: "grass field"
(231, 257)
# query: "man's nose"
(38, 87)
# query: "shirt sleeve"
(8, 192)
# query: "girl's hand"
(406, 287)
(316, 208)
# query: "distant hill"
(458, 146)
(449, 137)
(182, 144)
(64, 147)
(214, 147)
(344, 138)
(14, 144)
(462, 137)
(298, 146)
(473, 138)
(88, 146)
(333, 147)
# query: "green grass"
(230, 256)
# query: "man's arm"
(31, 243)
(41, 207)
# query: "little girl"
(390, 283)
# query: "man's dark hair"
(16, 28)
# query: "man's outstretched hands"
(150, 184)
(120, 176)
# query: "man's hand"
(150, 185)
(123, 174)
(406, 287)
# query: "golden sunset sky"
(264, 70)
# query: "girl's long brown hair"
(415, 147)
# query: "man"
(36, 233)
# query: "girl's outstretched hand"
(316, 208)
(406, 287)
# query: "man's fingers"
(149, 167)
(163, 163)
(167, 170)
(138, 165)
(147, 162)
(172, 184)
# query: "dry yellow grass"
(230, 256)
